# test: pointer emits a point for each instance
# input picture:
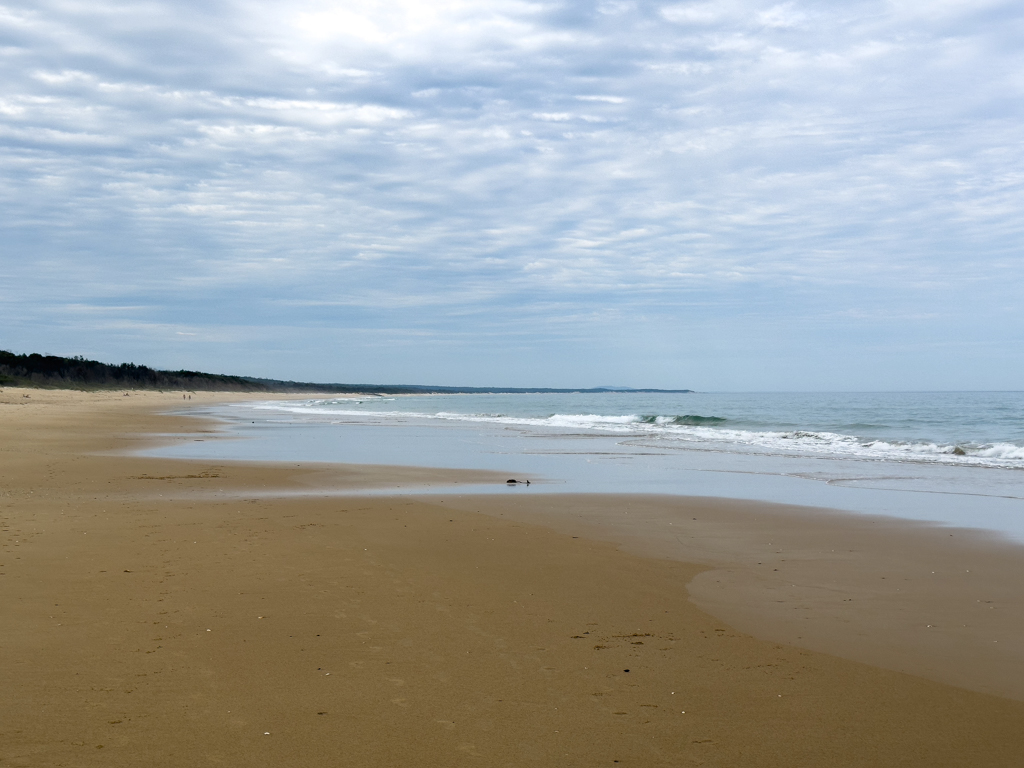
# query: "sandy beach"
(159, 612)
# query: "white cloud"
(697, 13)
(412, 163)
(782, 16)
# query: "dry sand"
(168, 613)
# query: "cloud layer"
(720, 195)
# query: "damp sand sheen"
(168, 612)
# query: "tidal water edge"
(951, 458)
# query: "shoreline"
(455, 628)
(585, 461)
(970, 634)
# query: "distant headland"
(51, 372)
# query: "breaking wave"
(696, 431)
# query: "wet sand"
(167, 613)
(939, 602)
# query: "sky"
(729, 195)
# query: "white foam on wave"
(697, 435)
(1002, 451)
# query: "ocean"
(955, 458)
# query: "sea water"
(954, 458)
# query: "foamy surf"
(869, 414)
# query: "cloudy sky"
(728, 195)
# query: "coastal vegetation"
(53, 372)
